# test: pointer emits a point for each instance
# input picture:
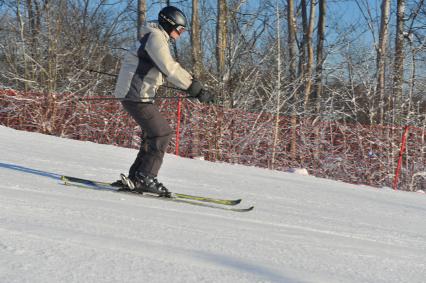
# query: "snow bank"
(303, 229)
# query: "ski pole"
(125, 99)
(114, 75)
(99, 72)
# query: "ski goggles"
(180, 29)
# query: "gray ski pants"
(156, 137)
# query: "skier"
(142, 72)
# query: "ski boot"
(149, 184)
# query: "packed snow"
(303, 229)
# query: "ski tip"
(244, 209)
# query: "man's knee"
(160, 143)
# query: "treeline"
(295, 58)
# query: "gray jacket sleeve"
(158, 49)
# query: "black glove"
(205, 96)
(195, 88)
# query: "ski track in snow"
(303, 229)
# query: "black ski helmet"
(171, 18)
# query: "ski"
(207, 199)
(175, 197)
(188, 201)
(131, 186)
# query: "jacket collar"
(155, 25)
(164, 32)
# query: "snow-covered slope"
(303, 229)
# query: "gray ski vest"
(145, 67)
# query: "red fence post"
(179, 112)
(401, 154)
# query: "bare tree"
(308, 29)
(221, 45)
(196, 40)
(320, 53)
(221, 33)
(50, 45)
(197, 69)
(415, 49)
(278, 89)
(141, 16)
(381, 57)
(292, 69)
(398, 75)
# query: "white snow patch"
(299, 171)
